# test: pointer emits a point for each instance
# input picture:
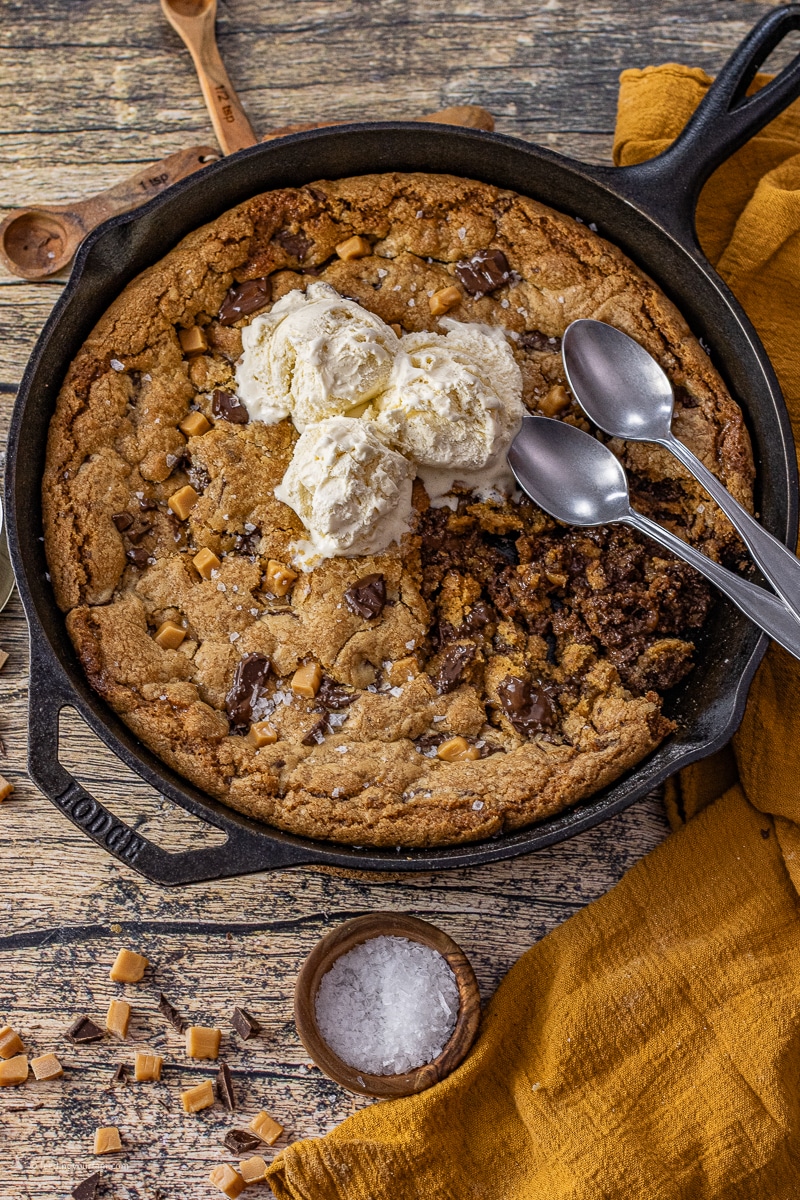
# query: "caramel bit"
(306, 680)
(13, 1071)
(397, 328)
(253, 1170)
(10, 1042)
(265, 1127)
(118, 1017)
(198, 1097)
(279, 578)
(6, 788)
(262, 734)
(183, 501)
(169, 635)
(443, 300)
(128, 967)
(457, 749)
(147, 1067)
(555, 400)
(206, 561)
(195, 425)
(193, 341)
(403, 671)
(227, 1180)
(202, 1042)
(46, 1066)
(107, 1140)
(354, 247)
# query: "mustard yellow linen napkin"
(649, 1047)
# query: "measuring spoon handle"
(779, 566)
(769, 613)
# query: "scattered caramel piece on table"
(266, 1128)
(445, 299)
(10, 1042)
(253, 1170)
(279, 578)
(556, 399)
(197, 1097)
(354, 247)
(129, 967)
(183, 501)
(107, 1140)
(169, 635)
(47, 1066)
(13, 1071)
(229, 1181)
(3, 659)
(195, 425)
(117, 1017)
(306, 680)
(6, 788)
(193, 341)
(206, 561)
(262, 734)
(202, 1042)
(457, 749)
(147, 1067)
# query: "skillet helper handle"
(722, 123)
(779, 566)
(764, 609)
(243, 852)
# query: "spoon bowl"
(39, 242)
(617, 383)
(569, 474)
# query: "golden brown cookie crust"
(602, 621)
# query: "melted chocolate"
(227, 407)
(333, 695)
(367, 597)
(526, 705)
(296, 244)
(248, 685)
(484, 272)
(534, 339)
(453, 662)
(243, 299)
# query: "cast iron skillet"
(647, 210)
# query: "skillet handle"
(726, 118)
(244, 851)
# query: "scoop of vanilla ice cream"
(314, 355)
(454, 400)
(352, 493)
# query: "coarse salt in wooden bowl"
(345, 938)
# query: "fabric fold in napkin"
(650, 1045)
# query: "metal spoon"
(6, 574)
(625, 392)
(578, 480)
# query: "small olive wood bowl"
(342, 939)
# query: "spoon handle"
(755, 602)
(779, 566)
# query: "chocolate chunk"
(227, 407)
(242, 1141)
(243, 299)
(317, 193)
(484, 272)
(173, 1016)
(245, 543)
(296, 244)
(245, 1025)
(367, 597)
(505, 546)
(427, 741)
(333, 695)
(139, 530)
(451, 667)
(316, 734)
(146, 505)
(87, 1188)
(199, 477)
(225, 1087)
(526, 705)
(552, 644)
(248, 684)
(534, 339)
(120, 1075)
(122, 520)
(83, 1029)
(138, 556)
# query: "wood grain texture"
(89, 92)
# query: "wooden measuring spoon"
(37, 242)
(468, 116)
(194, 21)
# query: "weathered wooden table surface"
(89, 91)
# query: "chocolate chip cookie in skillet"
(399, 650)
